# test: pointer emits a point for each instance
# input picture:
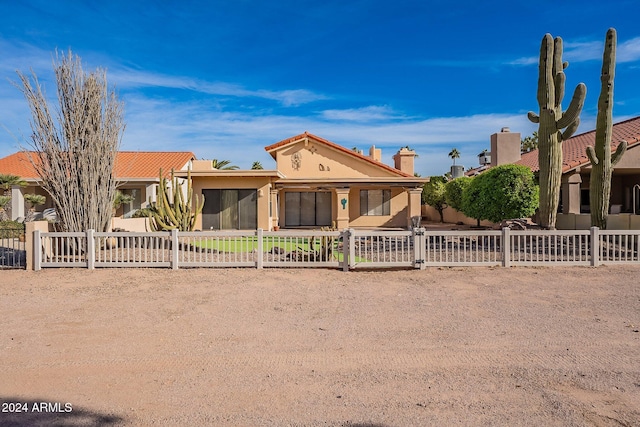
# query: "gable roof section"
(271, 149)
(574, 150)
(133, 165)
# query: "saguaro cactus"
(602, 161)
(180, 213)
(552, 120)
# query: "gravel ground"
(303, 347)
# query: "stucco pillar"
(342, 205)
(414, 205)
(17, 202)
(274, 208)
(30, 227)
(150, 195)
(571, 193)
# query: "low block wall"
(623, 221)
(451, 216)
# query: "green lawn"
(248, 244)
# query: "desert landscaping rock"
(316, 347)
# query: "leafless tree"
(74, 152)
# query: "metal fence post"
(595, 247)
(259, 254)
(506, 247)
(37, 250)
(91, 250)
(175, 250)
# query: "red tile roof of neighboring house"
(574, 150)
(335, 146)
(129, 164)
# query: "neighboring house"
(576, 169)
(316, 183)
(137, 171)
(576, 172)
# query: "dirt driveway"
(242, 347)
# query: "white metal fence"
(347, 249)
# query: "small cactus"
(552, 120)
(602, 161)
(179, 214)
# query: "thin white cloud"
(628, 51)
(364, 114)
(524, 61)
(25, 57)
(131, 79)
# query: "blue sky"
(224, 79)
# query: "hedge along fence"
(347, 249)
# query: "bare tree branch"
(74, 155)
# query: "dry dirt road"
(242, 347)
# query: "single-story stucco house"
(316, 183)
(576, 169)
(137, 171)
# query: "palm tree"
(8, 181)
(121, 199)
(33, 200)
(454, 154)
(4, 201)
(223, 165)
(256, 166)
(529, 143)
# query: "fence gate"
(12, 247)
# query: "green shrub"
(453, 191)
(11, 229)
(502, 192)
(142, 213)
(433, 194)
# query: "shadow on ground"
(17, 412)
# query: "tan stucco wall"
(583, 222)
(262, 184)
(30, 227)
(630, 160)
(138, 225)
(397, 208)
(319, 161)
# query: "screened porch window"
(375, 202)
(233, 209)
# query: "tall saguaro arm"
(602, 161)
(554, 125)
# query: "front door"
(307, 208)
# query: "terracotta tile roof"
(129, 164)
(271, 150)
(147, 164)
(574, 150)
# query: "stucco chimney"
(375, 153)
(201, 165)
(403, 160)
(505, 147)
